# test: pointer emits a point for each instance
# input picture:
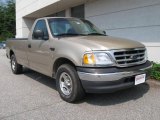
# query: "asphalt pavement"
(33, 96)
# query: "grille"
(130, 57)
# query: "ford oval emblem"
(134, 57)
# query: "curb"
(154, 81)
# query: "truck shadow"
(106, 99)
(119, 97)
(50, 82)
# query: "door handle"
(52, 49)
(29, 46)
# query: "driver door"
(39, 54)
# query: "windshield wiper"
(76, 34)
(96, 34)
(69, 34)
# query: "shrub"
(155, 71)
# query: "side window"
(40, 25)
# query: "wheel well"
(11, 53)
(60, 62)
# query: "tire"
(70, 88)
(16, 68)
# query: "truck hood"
(104, 42)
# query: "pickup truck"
(80, 57)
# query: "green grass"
(155, 71)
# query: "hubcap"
(65, 83)
(13, 64)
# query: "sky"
(3, 1)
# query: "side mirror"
(45, 37)
(104, 32)
(38, 34)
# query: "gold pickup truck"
(81, 57)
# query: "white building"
(133, 19)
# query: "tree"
(1, 20)
(7, 20)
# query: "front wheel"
(16, 68)
(68, 84)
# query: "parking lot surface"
(33, 96)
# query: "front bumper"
(105, 80)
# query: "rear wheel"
(68, 84)
(16, 68)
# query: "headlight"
(97, 58)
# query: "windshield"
(72, 27)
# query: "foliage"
(7, 20)
(155, 71)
